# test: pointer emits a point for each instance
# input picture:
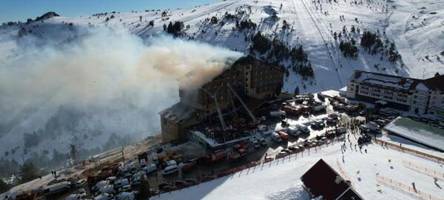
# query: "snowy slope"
(415, 31)
(416, 28)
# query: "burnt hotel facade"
(248, 79)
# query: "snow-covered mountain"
(406, 38)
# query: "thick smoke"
(113, 79)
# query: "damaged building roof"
(252, 60)
(178, 112)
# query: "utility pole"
(73, 153)
(123, 153)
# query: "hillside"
(318, 42)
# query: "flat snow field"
(417, 131)
(380, 173)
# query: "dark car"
(166, 187)
(341, 131)
(293, 148)
(318, 125)
(321, 97)
(331, 121)
(191, 181)
(303, 129)
(181, 184)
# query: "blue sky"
(14, 10)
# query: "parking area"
(285, 127)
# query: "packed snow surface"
(417, 131)
(370, 174)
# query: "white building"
(417, 96)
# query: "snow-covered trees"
(260, 43)
(175, 29)
(246, 24)
(368, 39)
(348, 49)
(393, 55)
(279, 53)
(373, 43)
(213, 20)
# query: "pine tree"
(296, 91)
(28, 172)
(4, 186)
(170, 28)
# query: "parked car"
(303, 129)
(166, 187)
(191, 181)
(137, 178)
(317, 125)
(293, 131)
(150, 168)
(277, 114)
(330, 134)
(293, 148)
(104, 196)
(188, 165)
(321, 97)
(263, 142)
(256, 144)
(180, 184)
(341, 131)
(331, 121)
(122, 184)
(107, 189)
(170, 169)
(374, 128)
(57, 188)
(276, 137)
(282, 154)
(319, 107)
(262, 127)
(283, 135)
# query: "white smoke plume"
(116, 79)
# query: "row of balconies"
(383, 94)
